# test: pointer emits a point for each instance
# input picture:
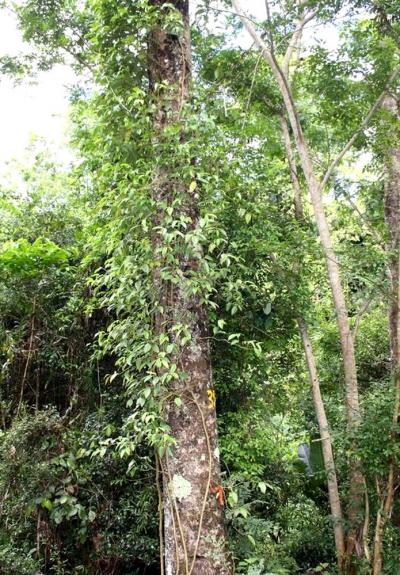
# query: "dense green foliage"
(81, 396)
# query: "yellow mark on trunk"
(211, 399)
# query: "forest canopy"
(200, 311)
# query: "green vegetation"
(174, 277)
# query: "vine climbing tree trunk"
(392, 216)
(192, 497)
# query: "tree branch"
(271, 37)
(295, 39)
(249, 25)
(361, 127)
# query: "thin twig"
(21, 397)
(251, 89)
(374, 233)
(362, 312)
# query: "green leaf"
(267, 309)
(47, 504)
(241, 512)
(147, 392)
(251, 539)
(233, 498)
(262, 486)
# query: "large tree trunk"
(392, 217)
(323, 426)
(194, 533)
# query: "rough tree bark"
(392, 217)
(355, 538)
(327, 450)
(192, 503)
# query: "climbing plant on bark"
(193, 515)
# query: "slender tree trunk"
(298, 204)
(346, 339)
(355, 538)
(327, 451)
(28, 357)
(392, 217)
(194, 533)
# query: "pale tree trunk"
(290, 155)
(326, 442)
(355, 537)
(323, 426)
(194, 535)
(392, 218)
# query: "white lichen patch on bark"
(180, 487)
